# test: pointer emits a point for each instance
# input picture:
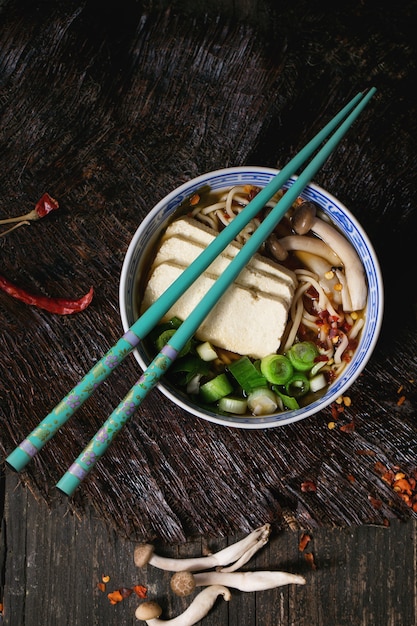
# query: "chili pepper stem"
(9, 230)
(32, 215)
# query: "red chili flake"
(388, 477)
(125, 592)
(45, 205)
(140, 591)
(351, 478)
(402, 485)
(61, 306)
(115, 597)
(348, 428)
(195, 199)
(376, 502)
(101, 586)
(304, 541)
(309, 557)
(401, 400)
(380, 468)
(308, 486)
(366, 452)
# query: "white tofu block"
(243, 321)
(181, 251)
(191, 229)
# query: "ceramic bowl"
(147, 235)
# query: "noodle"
(319, 302)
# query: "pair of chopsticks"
(48, 427)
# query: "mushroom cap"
(182, 583)
(303, 218)
(148, 610)
(143, 553)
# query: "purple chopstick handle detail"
(131, 338)
(28, 447)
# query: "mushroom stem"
(248, 581)
(237, 554)
(353, 268)
(199, 607)
(312, 245)
(184, 583)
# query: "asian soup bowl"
(142, 248)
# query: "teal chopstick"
(49, 426)
(161, 363)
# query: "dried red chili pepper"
(45, 205)
(61, 306)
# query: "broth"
(319, 313)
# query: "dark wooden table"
(108, 108)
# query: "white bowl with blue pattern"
(148, 233)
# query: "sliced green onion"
(277, 369)
(289, 401)
(246, 374)
(318, 382)
(302, 355)
(216, 388)
(317, 367)
(206, 352)
(164, 338)
(297, 386)
(174, 322)
(188, 366)
(233, 405)
(262, 401)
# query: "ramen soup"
(285, 329)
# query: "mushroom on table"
(184, 583)
(233, 556)
(199, 607)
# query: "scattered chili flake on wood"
(61, 306)
(115, 597)
(101, 586)
(348, 428)
(403, 484)
(401, 400)
(309, 557)
(140, 591)
(105, 579)
(376, 502)
(366, 452)
(308, 485)
(304, 541)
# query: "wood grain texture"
(108, 111)
(363, 575)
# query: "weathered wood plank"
(54, 560)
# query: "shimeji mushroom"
(199, 607)
(235, 555)
(355, 291)
(331, 245)
(184, 583)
